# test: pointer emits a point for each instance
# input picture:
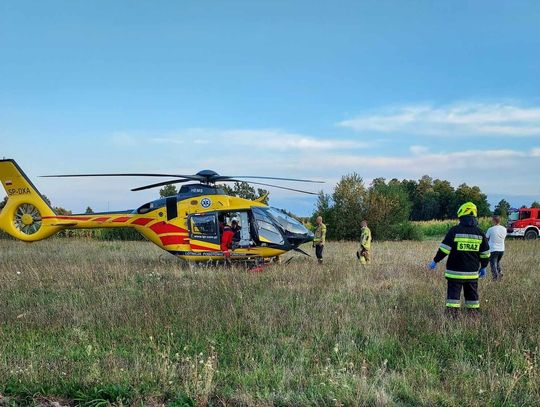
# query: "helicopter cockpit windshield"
(276, 227)
(266, 229)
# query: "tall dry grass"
(97, 322)
(437, 228)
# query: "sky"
(279, 88)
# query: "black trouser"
(495, 263)
(319, 251)
(470, 290)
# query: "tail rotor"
(27, 219)
(23, 215)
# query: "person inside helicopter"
(235, 227)
(230, 235)
(226, 239)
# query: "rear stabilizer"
(25, 208)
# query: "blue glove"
(432, 265)
(482, 272)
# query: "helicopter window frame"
(147, 207)
(212, 234)
(266, 227)
(248, 237)
(286, 222)
(151, 206)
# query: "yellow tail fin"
(22, 215)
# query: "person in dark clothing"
(235, 227)
(468, 250)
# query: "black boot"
(452, 312)
(473, 312)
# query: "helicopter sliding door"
(204, 232)
(240, 222)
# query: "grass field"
(99, 323)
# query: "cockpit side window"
(150, 206)
(145, 208)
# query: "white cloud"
(269, 139)
(278, 140)
(167, 140)
(124, 139)
(461, 119)
(274, 152)
(500, 171)
(417, 150)
(467, 160)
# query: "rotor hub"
(27, 219)
(208, 176)
(207, 173)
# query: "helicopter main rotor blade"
(188, 177)
(236, 177)
(160, 184)
(277, 186)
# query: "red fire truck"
(524, 222)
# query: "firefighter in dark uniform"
(468, 250)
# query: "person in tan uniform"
(319, 239)
(365, 244)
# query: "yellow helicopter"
(193, 225)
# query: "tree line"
(390, 206)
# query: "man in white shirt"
(496, 235)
